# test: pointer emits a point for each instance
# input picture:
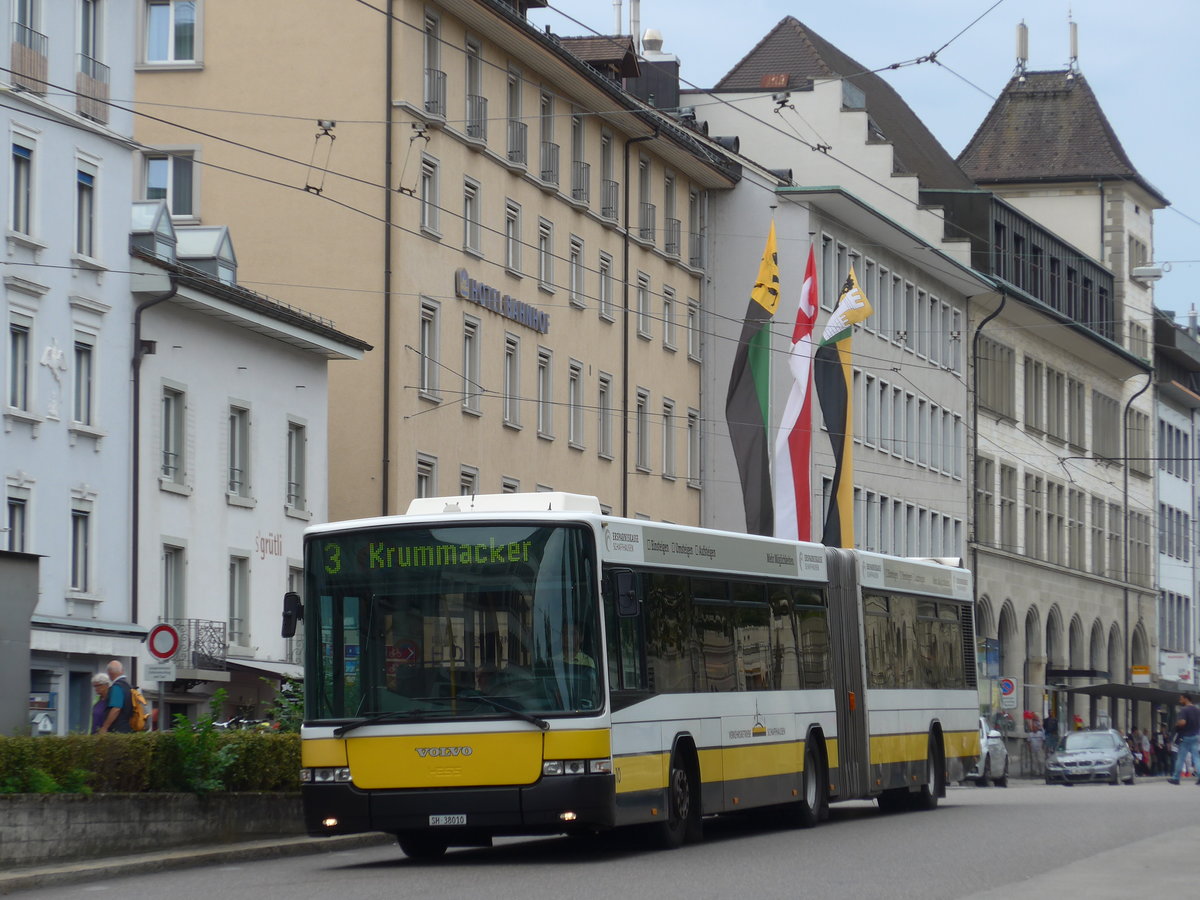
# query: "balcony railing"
(549, 162)
(91, 89)
(477, 117)
(581, 181)
(435, 92)
(518, 142)
(29, 65)
(609, 199)
(646, 213)
(202, 644)
(695, 250)
(671, 236)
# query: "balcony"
(435, 92)
(91, 89)
(671, 229)
(646, 225)
(549, 160)
(203, 646)
(518, 143)
(581, 181)
(610, 204)
(695, 250)
(29, 66)
(477, 119)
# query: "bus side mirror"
(293, 612)
(624, 583)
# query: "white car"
(992, 764)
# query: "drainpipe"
(1125, 536)
(625, 333)
(139, 351)
(385, 459)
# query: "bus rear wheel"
(806, 812)
(422, 846)
(927, 796)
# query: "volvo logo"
(443, 751)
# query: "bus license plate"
(448, 820)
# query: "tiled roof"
(793, 49)
(1048, 126)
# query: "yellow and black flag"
(832, 375)
(747, 403)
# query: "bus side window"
(626, 666)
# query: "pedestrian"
(1162, 752)
(1037, 746)
(1188, 727)
(119, 701)
(1050, 726)
(100, 683)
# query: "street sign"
(163, 641)
(159, 671)
(1008, 693)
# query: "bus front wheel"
(806, 812)
(683, 805)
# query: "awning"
(1141, 693)
(276, 669)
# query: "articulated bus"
(524, 664)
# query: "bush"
(149, 761)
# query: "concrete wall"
(18, 597)
(39, 828)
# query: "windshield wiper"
(379, 718)
(504, 707)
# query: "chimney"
(616, 16)
(1192, 321)
(635, 25)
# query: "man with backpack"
(120, 701)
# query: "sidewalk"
(74, 871)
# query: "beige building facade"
(517, 237)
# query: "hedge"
(154, 761)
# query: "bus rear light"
(568, 816)
(330, 822)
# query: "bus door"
(852, 778)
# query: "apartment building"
(518, 238)
(64, 447)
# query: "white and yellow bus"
(524, 664)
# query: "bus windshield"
(471, 620)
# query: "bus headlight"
(577, 766)
(325, 775)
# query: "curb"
(75, 871)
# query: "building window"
(239, 601)
(239, 451)
(468, 481)
(476, 102)
(604, 400)
(1139, 442)
(575, 275)
(643, 306)
(512, 380)
(471, 227)
(512, 237)
(1035, 508)
(575, 404)
(996, 377)
(545, 255)
(510, 485)
(1008, 508)
(693, 330)
(426, 475)
(85, 212)
(428, 350)
(472, 389)
(545, 394)
(693, 448)
(429, 196)
(169, 177)
(171, 31)
(81, 537)
(21, 219)
(172, 607)
(641, 427)
(668, 314)
(604, 304)
(985, 501)
(297, 451)
(173, 410)
(1106, 426)
(82, 407)
(668, 439)
(1035, 418)
(16, 522)
(20, 327)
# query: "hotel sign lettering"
(467, 288)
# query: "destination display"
(911, 577)
(718, 552)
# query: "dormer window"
(209, 249)
(152, 229)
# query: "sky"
(1140, 60)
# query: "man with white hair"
(120, 701)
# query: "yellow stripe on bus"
(445, 760)
(594, 744)
(896, 748)
(644, 772)
(322, 752)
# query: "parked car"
(1084, 756)
(993, 758)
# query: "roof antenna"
(1073, 65)
(1022, 50)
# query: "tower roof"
(793, 50)
(1048, 126)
